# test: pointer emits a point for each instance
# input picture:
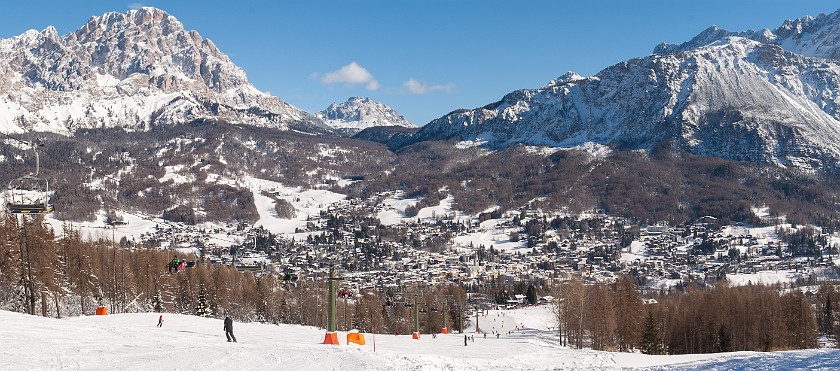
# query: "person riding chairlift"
(173, 265)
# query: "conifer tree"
(651, 339)
(828, 315)
(724, 340)
(156, 303)
(202, 309)
(531, 294)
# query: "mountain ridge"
(817, 37)
(720, 94)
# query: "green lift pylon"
(332, 334)
(416, 333)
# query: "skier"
(160, 321)
(229, 329)
(465, 340)
(182, 265)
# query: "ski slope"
(133, 342)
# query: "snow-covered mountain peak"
(706, 37)
(156, 21)
(359, 113)
(566, 78)
(135, 70)
(795, 26)
(812, 36)
(359, 100)
(150, 41)
(28, 38)
(50, 33)
(809, 36)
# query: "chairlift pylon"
(29, 194)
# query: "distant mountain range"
(768, 99)
(141, 69)
(759, 96)
(359, 113)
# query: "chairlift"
(289, 275)
(345, 293)
(29, 194)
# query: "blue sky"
(425, 58)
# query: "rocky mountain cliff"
(358, 113)
(764, 96)
(809, 36)
(133, 70)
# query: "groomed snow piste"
(184, 342)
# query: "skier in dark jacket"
(229, 329)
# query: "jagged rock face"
(135, 70)
(814, 37)
(809, 36)
(738, 96)
(357, 114)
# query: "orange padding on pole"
(101, 311)
(444, 331)
(331, 338)
(356, 338)
(415, 335)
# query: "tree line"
(714, 319)
(42, 274)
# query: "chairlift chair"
(289, 275)
(29, 194)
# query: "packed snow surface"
(184, 342)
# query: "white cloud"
(417, 87)
(351, 74)
(135, 6)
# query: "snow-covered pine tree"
(202, 309)
(156, 303)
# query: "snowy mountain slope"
(358, 113)
(133, 342)
(731, 97)
(134, 70)
(817, 37)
